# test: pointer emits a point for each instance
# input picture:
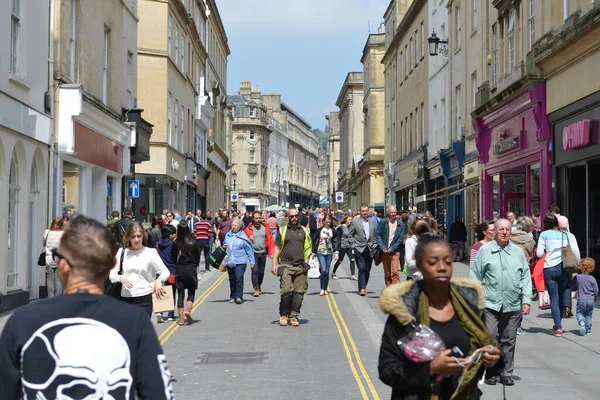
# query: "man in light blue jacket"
(503, 271)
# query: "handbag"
(42, 258)
(569, 260)
(313, 270)
(544, 300)
(377, 257)
(217, 257)
(165, 303)
(114, 289)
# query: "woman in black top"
(187, 255)
(438, 302)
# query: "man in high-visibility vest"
(293, 248)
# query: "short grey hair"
(524, 224)
(238, 221)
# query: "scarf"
(478, 334)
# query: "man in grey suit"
(363, 230)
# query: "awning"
(442, 196)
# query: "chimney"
(245, 88)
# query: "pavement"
(240, 351)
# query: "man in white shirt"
(363, 231)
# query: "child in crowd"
(587, 292)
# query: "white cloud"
(300, 18)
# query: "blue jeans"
(556, 279)
(236, 281)
(363, 263)
(585, 308)
(325, 263)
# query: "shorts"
(458, 245)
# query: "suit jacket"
(358, 234)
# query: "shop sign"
(503, 145)
(175, 165)
(417, 169)
(577, 135)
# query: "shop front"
(409, 182)
(452, 161)
(575, 130)
(471, 174)
(513, 142)
(436, 186)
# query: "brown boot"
(188, 312)
(283, 320)
(256, 292)
(259, 290)
(294, 322)
(181, 320)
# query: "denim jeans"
(363, 263)
(556, 279)
(585, 308)
(236, 281)
(325, 263)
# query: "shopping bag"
(421, 344)
(217, 257)
(313, 271)
(544, 300)
(165, 303)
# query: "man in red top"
(262, 240)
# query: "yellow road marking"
(354, 349)
(361, 387)
(167, 333)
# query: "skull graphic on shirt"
(76, 358)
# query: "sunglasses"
(422, 218)
(56, 256)
(293, 216)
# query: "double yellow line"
(167, 333)
(348, 344)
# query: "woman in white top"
(141, 265)
(416, 229)
(551, 242)
(51, 241)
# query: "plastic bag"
(421, 344)
(313, 272)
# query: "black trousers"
(204, 245)
(258, 272)
(343, 252)
(145, 302)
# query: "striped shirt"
(202, 229)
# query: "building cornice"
(374, 41)
(353, 80)
(409, 18)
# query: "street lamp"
(434, 45)
(234, 178)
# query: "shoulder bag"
(569, 260)
(42, 258)
(114, 289)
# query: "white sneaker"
(159, 319)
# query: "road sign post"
(133, 189)
(339, 197)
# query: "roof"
(289, 109)
(237, 99)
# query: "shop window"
(534, 188)
(495, 196)
(12, 272)
(70, 189)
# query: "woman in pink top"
(485, 233)
(273, 224)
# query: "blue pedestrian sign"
(339, 197)
(133, 189)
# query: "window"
(182, 129)
(15, 31)
(169, 121)
(251, 134)
(176, 120)
(531, 23)
(72, 32)
(12, 272)
(129, 73)
(474, 15)
(405, 61)
(412, 53)
(402, 138)
(411, 134)
(457, 28)
(458, 111)
(566, 9)
(494, 54)
(423, 40)
(252, 181)
(252, 156)
(182, 45)
(197, 80)
(169, 33)
(105, 67)
(474, 90)
(176, 44)
(424, 134)
(511, 40)
(417, 125)
(416, 47)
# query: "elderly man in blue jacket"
(503, 271)
(390, 233)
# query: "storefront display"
(514, 152)
(409, 182)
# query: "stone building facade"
(333, 156)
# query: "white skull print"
(76, 358)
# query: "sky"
(301, 49)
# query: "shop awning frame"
(442, 196)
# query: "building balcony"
(205, 111)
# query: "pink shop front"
(513, 141)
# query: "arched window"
(12, 272)
(31, 227)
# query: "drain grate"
(232, 358)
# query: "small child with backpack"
(587, 292)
